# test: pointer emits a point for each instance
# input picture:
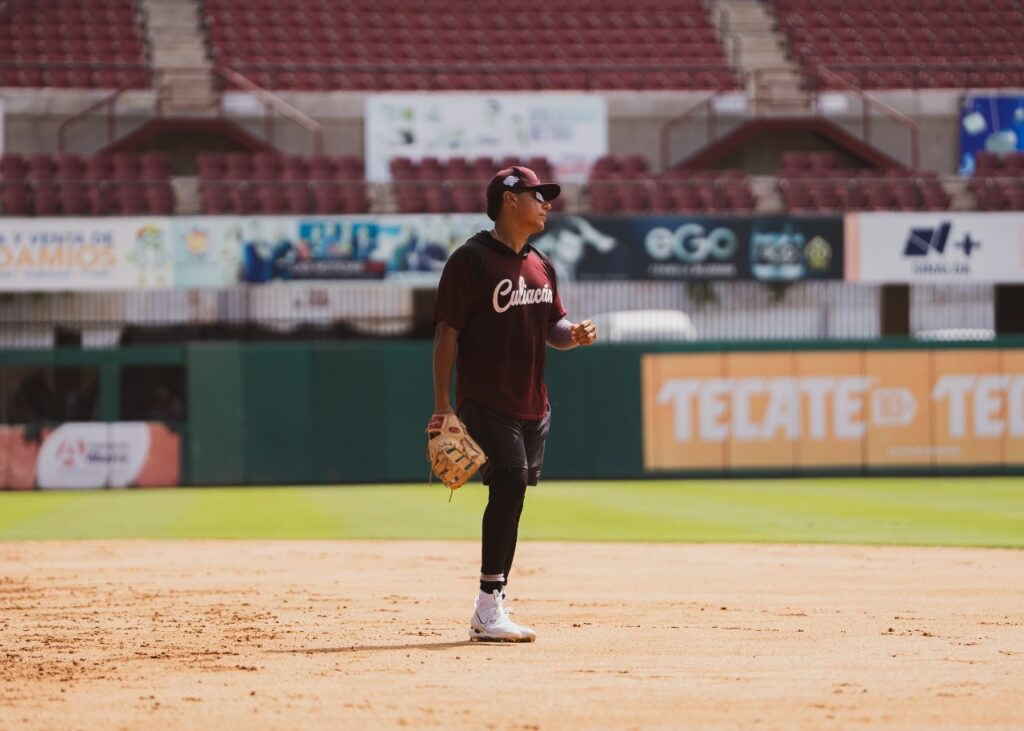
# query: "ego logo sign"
(689, 243)
(691, 253)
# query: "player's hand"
(584, 333)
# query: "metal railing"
(763, 102)
(273, 103)
(311, 310)
(107, 105)
(870, 102)
(532, 77)
(918, 75)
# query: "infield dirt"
(329, 635)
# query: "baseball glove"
(453, 455)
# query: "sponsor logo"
(85, 455)
(777, 255)
(927, 250)
(70, 451)
(510, 181)
(505, 297)
(818, 254)
(692, 251)
(820, 407)
(922, 240)
(893, 406)
(197, 242)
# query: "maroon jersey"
(502, 304)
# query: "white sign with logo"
(53, 254)
(570, 130)
(935, 247)
(88, 455)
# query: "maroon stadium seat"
(74, 200)
(336, 46)
(950, 45)
(60, 44)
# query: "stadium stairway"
(748, 32)
(182, 72)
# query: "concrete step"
(743, 10)
(179, 60)
(764, 61)
(761, 42)
(739, 22)
(173, 21)
(186, 48)
(170, 11)
(766, 193)
(186, 195)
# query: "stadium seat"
(998, 181)
(815, 182)
(428, 46)
(74, 200)
(620, 184)
(17, 199)
(64, 45)
(270, 183)
(874, 45)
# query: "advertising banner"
(917, 248)
(222, 251)
(659, 247)
(55, 254)
(89, 455)
(993, 123)
(852, 409)
(194, 252)
(570, 130)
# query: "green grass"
(931, 511)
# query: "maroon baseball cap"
(516, 179)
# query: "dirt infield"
(329, 635)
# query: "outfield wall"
(352, 412)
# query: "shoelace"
(495, 613)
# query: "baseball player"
(497, 308)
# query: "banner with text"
(570, 130)
(221, 251)
(89, 455)
(663, 247)
(917, 248)
(48, 254)
(833, 409)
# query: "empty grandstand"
(251, 134)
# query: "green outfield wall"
(354, 411)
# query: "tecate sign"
(876, 408)
(927, 247)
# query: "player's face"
(532, 210)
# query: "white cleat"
(490, 622)
(529, 635)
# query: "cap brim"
(549, 191)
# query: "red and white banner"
(89, 455)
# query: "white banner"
(54, 254)
(570, 130)
(88, 455)
(935, 247)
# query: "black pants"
(515, 453)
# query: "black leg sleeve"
(501, 521)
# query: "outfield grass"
(947, 512)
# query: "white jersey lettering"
(505, 297)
